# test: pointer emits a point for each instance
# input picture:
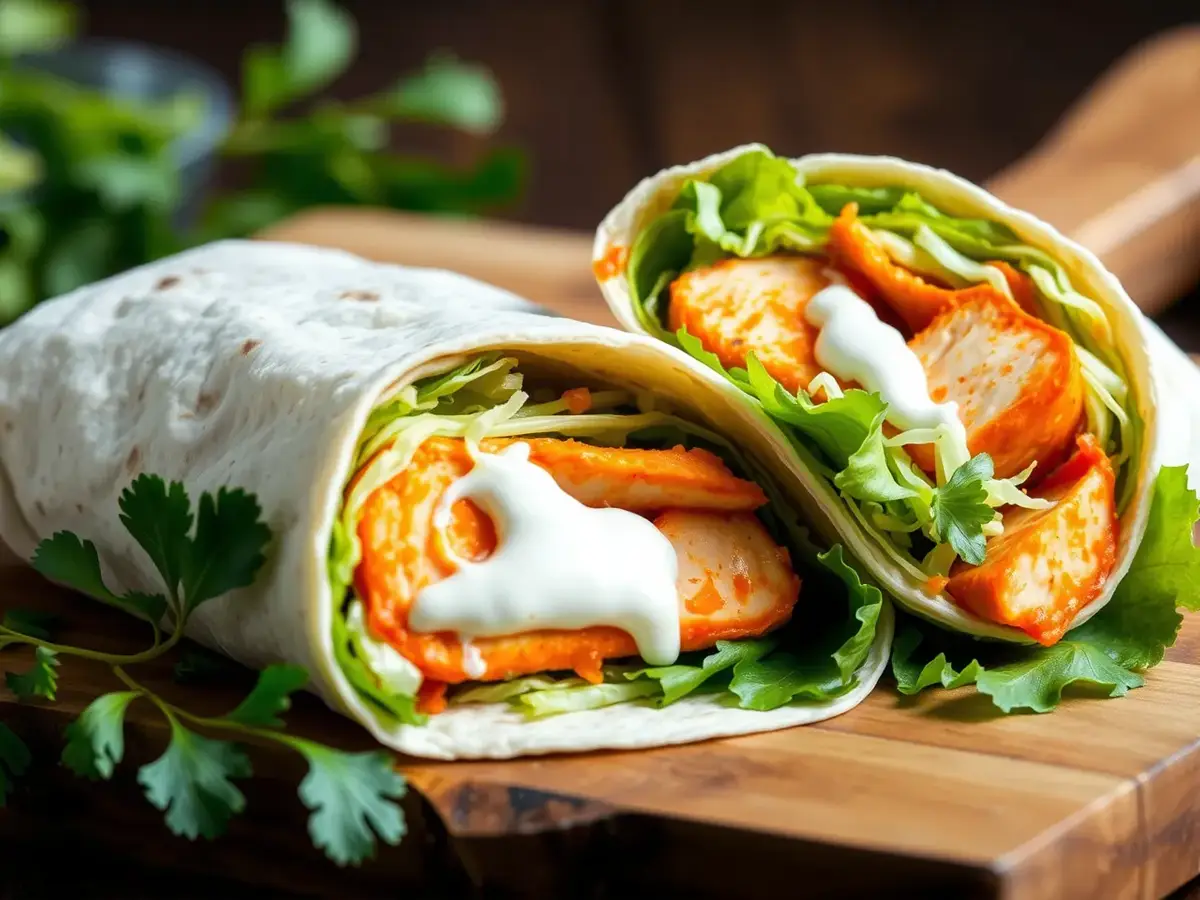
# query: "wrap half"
(494, 533)
(977, 407)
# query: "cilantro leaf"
(40, 681)
(270, 696)
(67, 560)
(30, 622)
(227, 551)
(351, 796)
(680, 680)
(96, 740)
(14, 760)
(960, 508)
(1037, 681)
(159, 517)
(151, 607)
(191, 783)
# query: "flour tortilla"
(255, 365)
(1166, 439)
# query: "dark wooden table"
(1096, 789)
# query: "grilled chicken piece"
(641, 480)
(739, 306)
(1016, 381)
(733, 582)
(732, 576)
(1048, 564)
(916, 300)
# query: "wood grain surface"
(935, 796)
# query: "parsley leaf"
(191, 783)
(270, 696)
(351, 796)
(67, 560)
(96, 740)
(30, 622)
(960, 508)
(40, 681)
(14, 760)
(159, 517)
(227, 551)
(680, 680)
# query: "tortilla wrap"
(255, 365)
(1156, 376)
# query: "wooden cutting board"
(930, 797)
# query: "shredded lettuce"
(484, 398)
(500, 691)
(539, 704)
(757, 204)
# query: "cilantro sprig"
(960, 508)
(199, 555)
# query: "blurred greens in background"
(94, 181)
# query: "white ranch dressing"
(558, 564)
(855, 345)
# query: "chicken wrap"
(971, 397)
(493, 533)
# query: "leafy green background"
(90, 186)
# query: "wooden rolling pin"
(1120, 173)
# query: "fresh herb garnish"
(199, 556)
(960, 508)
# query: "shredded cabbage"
(963, 267)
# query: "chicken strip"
(739, 306)
(1048, 564)
(917, 301)
(1016, 381)
(640, 480)
(733, 580)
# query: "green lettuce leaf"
(817, 670)
(679, 680)
(866, 475)
(912, 676)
